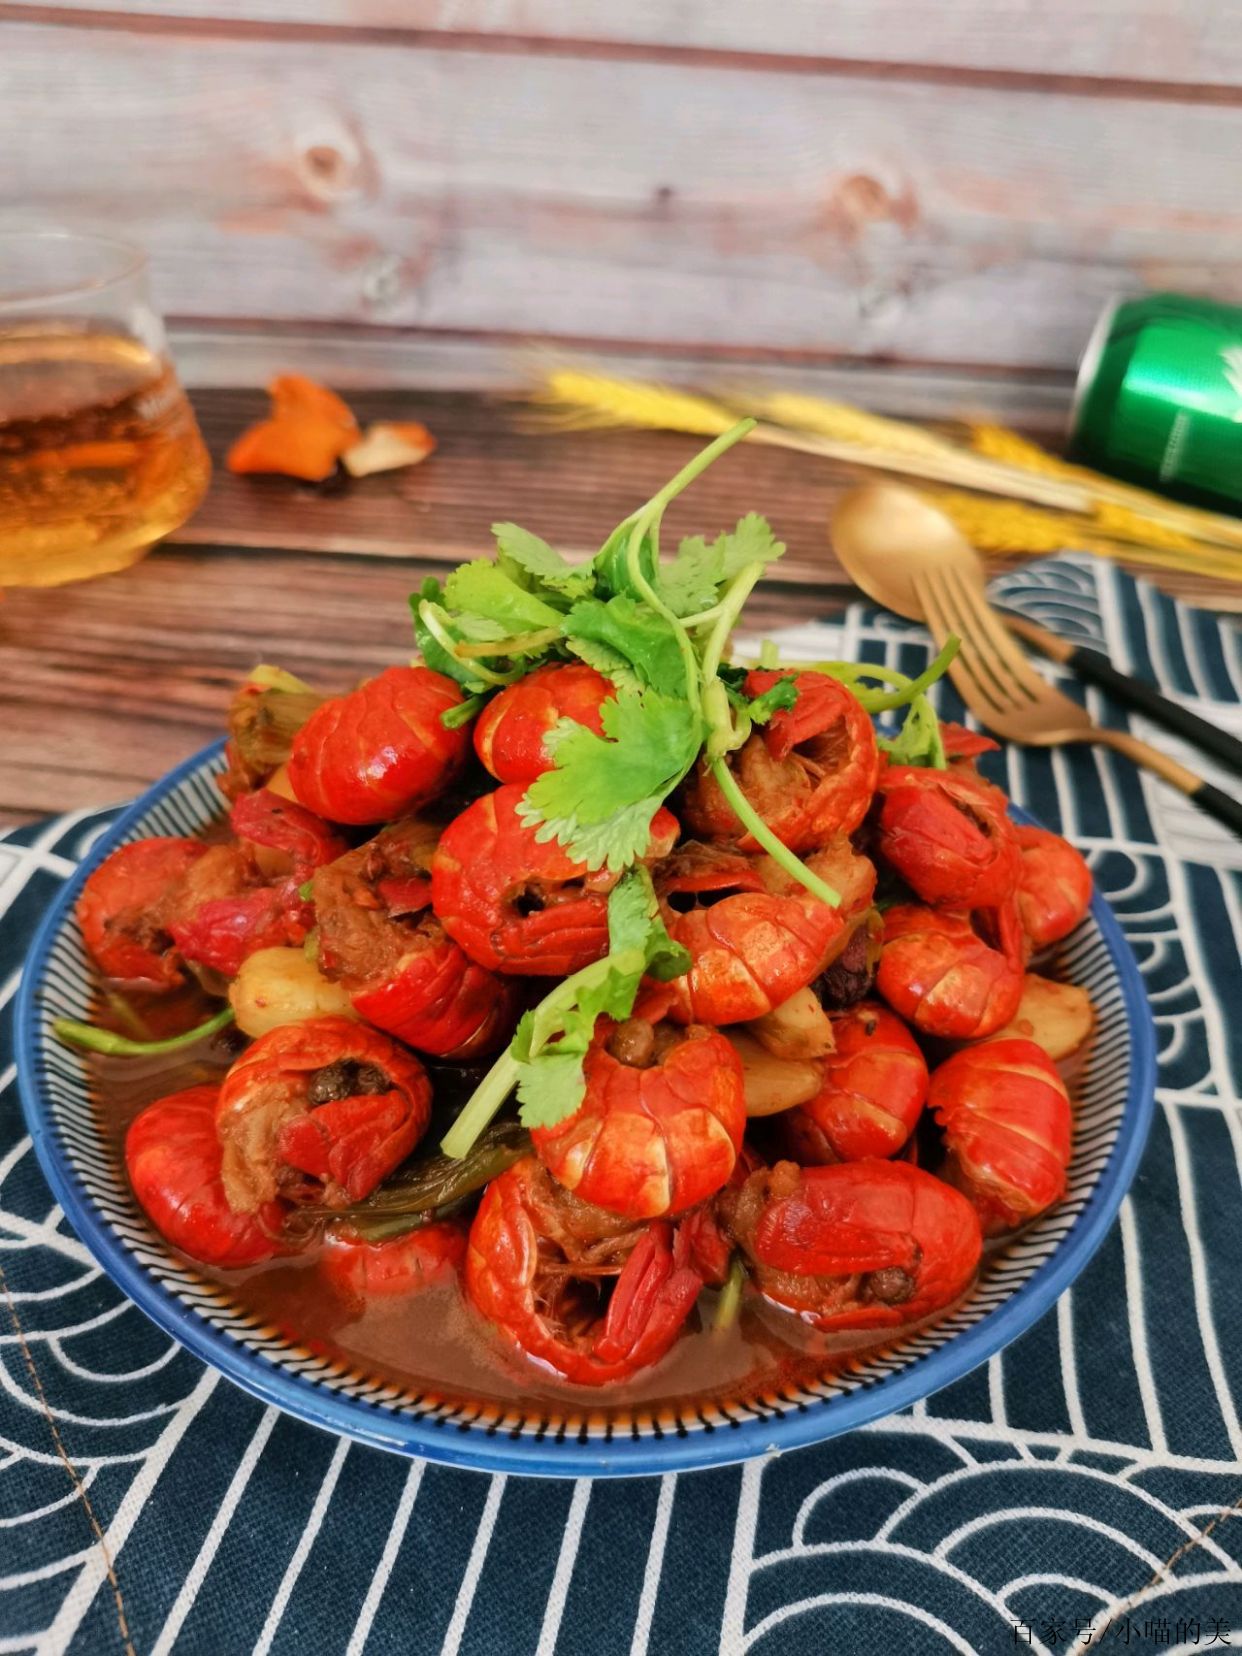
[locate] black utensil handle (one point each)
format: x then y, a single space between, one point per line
1137 693
1224 807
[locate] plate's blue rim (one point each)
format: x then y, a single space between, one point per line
469 1445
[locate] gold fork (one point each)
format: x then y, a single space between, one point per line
907 555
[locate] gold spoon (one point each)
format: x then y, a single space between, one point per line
908 556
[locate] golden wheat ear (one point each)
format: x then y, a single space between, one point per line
1119 509
798 411
576 398
1014 528
1102 515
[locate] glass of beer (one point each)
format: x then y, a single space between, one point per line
100 455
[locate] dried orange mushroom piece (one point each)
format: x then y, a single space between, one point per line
387 446
309 429
296 397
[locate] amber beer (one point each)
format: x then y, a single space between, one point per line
100 456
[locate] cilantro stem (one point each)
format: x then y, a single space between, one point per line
481 1106
730 607
924 715
906 689
697 464
87 1038
431 619
938 757
647 521
702 618
724 732
454 717
520 644
759 830
689 661
845 672
730 1301
916 687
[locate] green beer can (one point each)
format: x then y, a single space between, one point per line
1159 398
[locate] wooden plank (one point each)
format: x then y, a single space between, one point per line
224 357
572 490
1167 41
108 683
632 202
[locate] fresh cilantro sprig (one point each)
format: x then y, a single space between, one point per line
599 800
544 1061
659 631
552 1040
600 797
495 619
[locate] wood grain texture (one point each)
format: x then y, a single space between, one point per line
111 683
626 201
1169 41
224 356
108 683
571 490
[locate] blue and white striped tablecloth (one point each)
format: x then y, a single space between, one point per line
1085 1484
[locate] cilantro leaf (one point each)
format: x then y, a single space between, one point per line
614 843
552 1040
614 782
648 741
692 581
917 742
480 589
632 911
611 663
633 637
666 959
478 629
520 551
688 584
550 1089
782 695
752 541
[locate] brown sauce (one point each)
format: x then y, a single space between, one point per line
434 1342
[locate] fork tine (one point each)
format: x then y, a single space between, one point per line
972 681
991 635
974 645
976 677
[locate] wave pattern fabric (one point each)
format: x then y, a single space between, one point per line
1085 1485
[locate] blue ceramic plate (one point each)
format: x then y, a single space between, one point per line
1113 1115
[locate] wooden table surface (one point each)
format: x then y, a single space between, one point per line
108 683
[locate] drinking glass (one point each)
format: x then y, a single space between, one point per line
100 455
